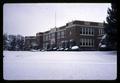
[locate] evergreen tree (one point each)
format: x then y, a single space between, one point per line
21 44
13 44
4 41
111 28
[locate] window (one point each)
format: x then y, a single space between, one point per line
58 35
87 31
53 35
92 31
90 42
46 37
86 42
80 30
49 37
83 43
70 32
80 43
43 38
101 32
62 34
83 30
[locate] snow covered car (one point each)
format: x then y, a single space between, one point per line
66 49
102 44
50 49
42 50
75 48
33 50
60 49
55 49
103 47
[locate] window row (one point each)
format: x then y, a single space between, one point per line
101 31
86 42
48 37
60 34
87 31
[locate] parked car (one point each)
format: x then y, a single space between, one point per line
54 49
60 49
50 49
42 50
75 48
103 47
66 49
33 50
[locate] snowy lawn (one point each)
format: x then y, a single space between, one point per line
60 65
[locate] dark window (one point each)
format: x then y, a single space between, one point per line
92 32
89 31
86 30
81 31
86 41
80 43
83 43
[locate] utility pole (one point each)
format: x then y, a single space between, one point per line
55 18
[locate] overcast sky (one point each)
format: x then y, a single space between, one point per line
28 19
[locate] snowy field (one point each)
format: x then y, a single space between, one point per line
84 65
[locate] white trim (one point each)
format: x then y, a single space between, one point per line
88 31
85 30
84 26
91 31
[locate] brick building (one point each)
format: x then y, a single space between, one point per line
39 40
49 39
30 42
84 34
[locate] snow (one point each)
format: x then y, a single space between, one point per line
34 50
60 65
75 47
100 44
61 48
66 48
104 36
103 46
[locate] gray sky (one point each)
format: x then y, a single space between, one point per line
28 19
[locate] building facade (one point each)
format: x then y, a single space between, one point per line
49 39
30 42
84 34
39 40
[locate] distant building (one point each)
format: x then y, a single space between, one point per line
30 42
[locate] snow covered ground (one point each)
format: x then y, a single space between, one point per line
59 65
